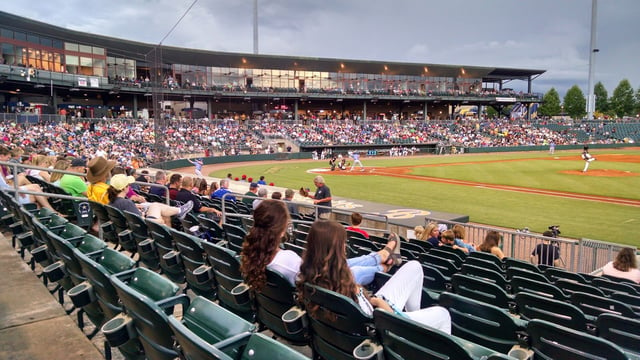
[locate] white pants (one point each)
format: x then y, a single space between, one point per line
404 291
357 162
586 164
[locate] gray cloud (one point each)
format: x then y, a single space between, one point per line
543 34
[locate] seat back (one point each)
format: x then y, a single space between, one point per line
213 227
457 251
487 257
521 264
554 274
125 239
276 298
163 244
532 306
190 346
481 323
193 256
235 235
434 280
596 305
631 300
261 347
550 341
485 264
108 231
340 325
569 287
403 338
620 330
226 271
609 286
520 284
487 274
448 254
481 290
140 290
447 267
417 246
65 248
515 271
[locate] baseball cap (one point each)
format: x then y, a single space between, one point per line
120 181
79 162
253 186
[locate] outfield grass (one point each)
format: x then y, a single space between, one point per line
577 218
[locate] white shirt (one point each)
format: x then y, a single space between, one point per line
287 263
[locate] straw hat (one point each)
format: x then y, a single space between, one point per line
98 167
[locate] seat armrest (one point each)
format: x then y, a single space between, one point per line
367 350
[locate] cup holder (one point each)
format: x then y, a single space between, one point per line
367 350
294 320
119 330
146 246
40 254
202 274
82 294
172 258
55 272
241 294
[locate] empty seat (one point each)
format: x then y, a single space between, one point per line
481 290
520 284
620 330
532 306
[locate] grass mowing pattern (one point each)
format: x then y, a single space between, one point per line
577 218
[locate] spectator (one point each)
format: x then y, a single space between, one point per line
546 253
262 194
61 164
288 198
250 195
75 185
418 231
98 172
222 191
261 250
155 211
160 179
175 181
142 177
491 244
203 188
356 220
460 234
431 234
41 201
185 195
624 266
276 195
324 264
449 239
262 181
322 198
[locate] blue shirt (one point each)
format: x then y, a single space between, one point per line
221 192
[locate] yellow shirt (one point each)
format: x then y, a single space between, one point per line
98 192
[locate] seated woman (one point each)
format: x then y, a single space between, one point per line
491 244
624 266
40 200
261 250
324 264
157 212
431 234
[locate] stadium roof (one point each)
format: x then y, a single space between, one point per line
175 55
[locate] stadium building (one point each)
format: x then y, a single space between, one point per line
49 69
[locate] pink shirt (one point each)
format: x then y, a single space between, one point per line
632 274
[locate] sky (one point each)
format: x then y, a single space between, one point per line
551 35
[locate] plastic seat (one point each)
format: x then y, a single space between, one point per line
554 274
125 237
620 330
276 298
449 254
107 230
235 236
569 287
536 276
487 257
168 256
632 300
434 280
551 341
293 247
355 234
486 274
521 264
211 226
140 233
520 284
417 246
193 257
447 267
403 338
485 264
340 327
225 268
223 332
609 287
146 296
481 290
481 323
532 306
596 305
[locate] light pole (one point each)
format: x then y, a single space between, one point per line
591 99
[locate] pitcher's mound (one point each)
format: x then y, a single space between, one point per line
599 172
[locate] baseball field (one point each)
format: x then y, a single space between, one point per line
513 190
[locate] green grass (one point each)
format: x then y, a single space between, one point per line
577 218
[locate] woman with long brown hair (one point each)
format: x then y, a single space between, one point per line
324 264
491 244
624 265
261 249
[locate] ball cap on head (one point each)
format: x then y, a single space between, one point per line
78 162
120 181
253 186
98 168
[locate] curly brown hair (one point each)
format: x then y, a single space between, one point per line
625 260
270 220
324 263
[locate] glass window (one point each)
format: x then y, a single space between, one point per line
33 39
98 51
46 42
20 36
71 46
86 61
58 44
72 60
5 33
85 49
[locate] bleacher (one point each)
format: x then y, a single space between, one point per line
153 291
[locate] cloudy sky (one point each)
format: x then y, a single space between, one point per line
552 35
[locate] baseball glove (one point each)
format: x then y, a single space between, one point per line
304 192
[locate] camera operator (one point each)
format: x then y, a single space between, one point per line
547 253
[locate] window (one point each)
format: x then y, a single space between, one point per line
86 61
6 33
72 60
71 46
33 39
98 51
20 36
46 42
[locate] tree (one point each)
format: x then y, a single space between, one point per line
638 102
622 102
575 103
550 104
602 98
